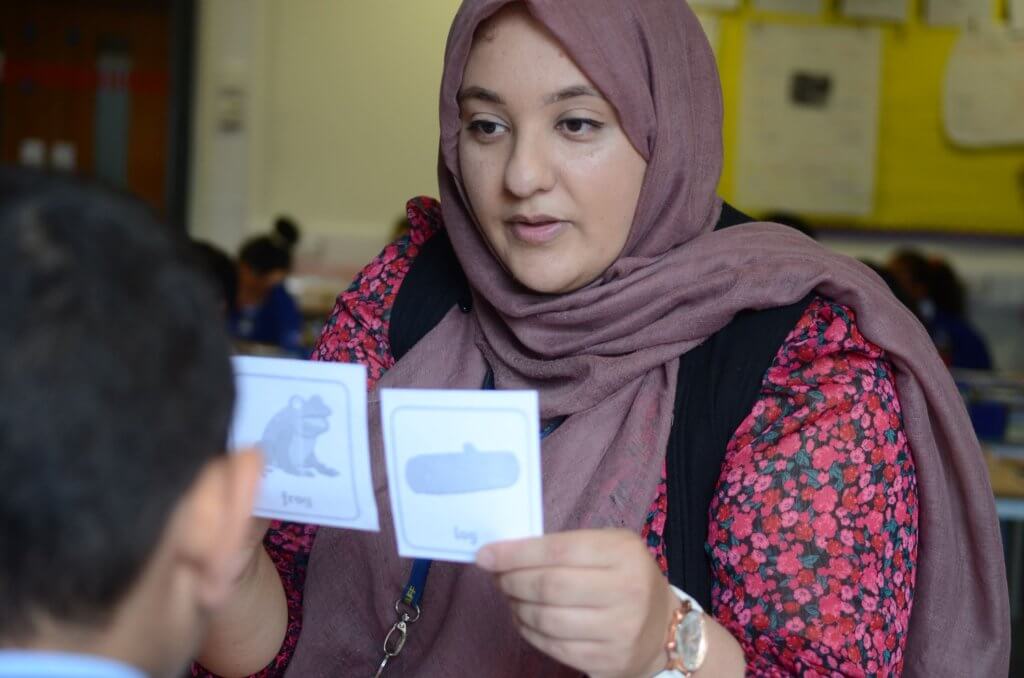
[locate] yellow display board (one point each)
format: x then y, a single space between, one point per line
923 182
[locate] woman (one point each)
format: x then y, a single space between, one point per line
265 312
580 151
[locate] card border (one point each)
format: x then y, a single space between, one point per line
351 446
395 463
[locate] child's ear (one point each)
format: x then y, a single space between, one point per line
219 544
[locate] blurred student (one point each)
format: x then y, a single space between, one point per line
959 342
265 312
893 284
938 296
221 272
121 513
910 269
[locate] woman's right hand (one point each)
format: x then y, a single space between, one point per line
596 601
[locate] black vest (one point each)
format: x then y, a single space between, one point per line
718 385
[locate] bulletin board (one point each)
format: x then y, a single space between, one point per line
923 181
808 119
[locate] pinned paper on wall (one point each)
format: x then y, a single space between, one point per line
1016 14
709 22
809 119
958 12
790 6
715 4
879 10
983 98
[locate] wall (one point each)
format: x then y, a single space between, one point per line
227 130
340 118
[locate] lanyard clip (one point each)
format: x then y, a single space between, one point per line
399 632
395 640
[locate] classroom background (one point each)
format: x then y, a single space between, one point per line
882 126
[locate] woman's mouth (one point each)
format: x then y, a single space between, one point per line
537 229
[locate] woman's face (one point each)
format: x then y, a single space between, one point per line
549 172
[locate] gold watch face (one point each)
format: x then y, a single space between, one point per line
691 641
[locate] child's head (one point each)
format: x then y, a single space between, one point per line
264 261
120 512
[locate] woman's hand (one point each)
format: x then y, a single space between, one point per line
594 600
246 560
247 629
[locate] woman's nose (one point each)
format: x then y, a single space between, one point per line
529 169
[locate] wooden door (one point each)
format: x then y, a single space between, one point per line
85 87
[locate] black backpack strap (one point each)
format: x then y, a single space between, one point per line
435 282
730 216
719 383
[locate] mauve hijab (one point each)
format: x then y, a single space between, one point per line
607 356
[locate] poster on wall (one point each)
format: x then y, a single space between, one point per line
958 12
878 10
715 4
983 97
808 120
790 6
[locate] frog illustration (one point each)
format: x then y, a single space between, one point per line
289 439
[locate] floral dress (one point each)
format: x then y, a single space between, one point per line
812 532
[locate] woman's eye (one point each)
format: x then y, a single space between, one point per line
486 128
579 126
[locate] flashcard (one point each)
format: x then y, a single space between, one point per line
463 469
309 419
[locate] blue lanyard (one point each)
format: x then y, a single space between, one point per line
407 607
413 591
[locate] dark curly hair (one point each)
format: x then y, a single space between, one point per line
115 390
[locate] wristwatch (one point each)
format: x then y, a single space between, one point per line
687 642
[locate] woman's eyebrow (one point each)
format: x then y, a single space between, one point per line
475 92
484 94
571 93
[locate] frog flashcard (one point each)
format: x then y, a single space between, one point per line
309 420
463 469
